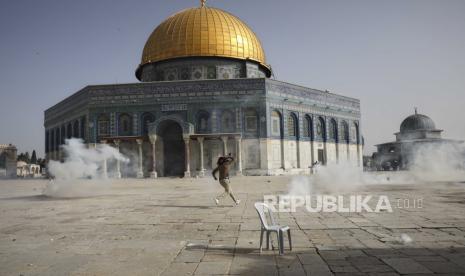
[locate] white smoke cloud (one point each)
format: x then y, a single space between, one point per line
82 172
430 163
300 185
439 162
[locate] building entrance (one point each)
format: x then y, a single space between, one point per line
173 148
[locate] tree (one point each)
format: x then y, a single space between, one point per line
20 157
27 157
34 157
24 157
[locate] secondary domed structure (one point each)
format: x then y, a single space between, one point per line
417 122
417 132
202 43
418 126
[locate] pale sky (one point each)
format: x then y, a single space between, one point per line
392 55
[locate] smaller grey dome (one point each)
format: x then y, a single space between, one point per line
417 122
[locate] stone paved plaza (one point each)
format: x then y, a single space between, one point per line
172 227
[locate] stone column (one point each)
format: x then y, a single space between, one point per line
187 173
104 163
202 169
153 140
239 155
118 162
225 145
140 172
348 151
312 147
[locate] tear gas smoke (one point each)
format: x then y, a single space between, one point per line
300 185
429 163
441 162
405 239
83 172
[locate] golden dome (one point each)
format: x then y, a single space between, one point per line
205 32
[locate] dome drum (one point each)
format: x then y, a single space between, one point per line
200 68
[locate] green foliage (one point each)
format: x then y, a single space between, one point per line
24 157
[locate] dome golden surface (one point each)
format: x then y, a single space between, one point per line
204 32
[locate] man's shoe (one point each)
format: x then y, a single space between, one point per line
217 202
238 201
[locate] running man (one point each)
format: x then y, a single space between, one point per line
223 166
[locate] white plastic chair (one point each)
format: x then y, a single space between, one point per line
263 210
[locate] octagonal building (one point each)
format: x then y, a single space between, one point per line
205 91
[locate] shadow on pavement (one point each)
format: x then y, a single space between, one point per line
403 260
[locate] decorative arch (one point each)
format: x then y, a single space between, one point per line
356 133
276 123
103 125
187 128
321 128
251 120
228 122
292 129
146 119
333 130
308 127
125 124
345 132
203 122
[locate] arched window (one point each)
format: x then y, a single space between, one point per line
125 125
321 129
308 127
345 131
76 129
147 118
251 120
69 131
333 130
356 132
276 123
203 121
103 125
292 125
227 121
